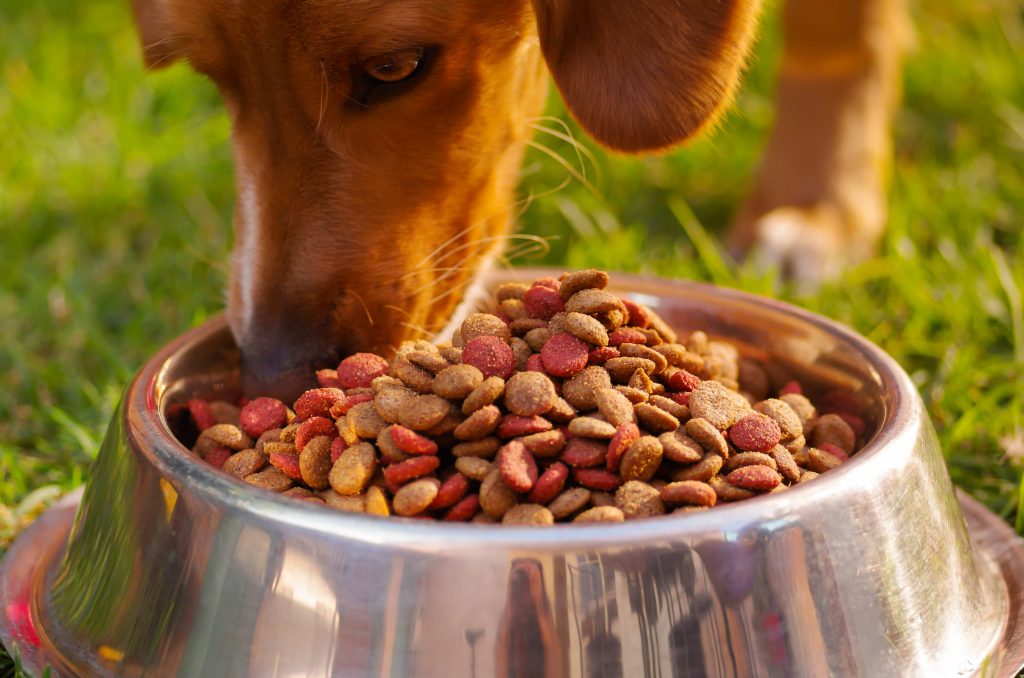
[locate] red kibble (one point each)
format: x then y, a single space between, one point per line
543 302
261 415
217 455
288 463
626 335
313 427
564 355
347 403
637 314
681 398
584 453
202 414
834 450
754 477
596 479
681 380
549 484
468 507
791 387
410 442
491 355
328 379
398 474
625 435
549 282
338 445
452 490
755 433
513 426
359 369
838 402
855 422
517 466
317 402
534 363
599 356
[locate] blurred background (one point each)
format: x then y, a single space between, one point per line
116 193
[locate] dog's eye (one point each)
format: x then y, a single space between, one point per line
395 66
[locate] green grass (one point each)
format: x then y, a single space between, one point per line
115 206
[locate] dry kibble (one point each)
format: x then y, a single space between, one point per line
528 514
566 403
529 393
601 514
638 500
581 390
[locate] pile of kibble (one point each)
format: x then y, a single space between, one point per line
568 403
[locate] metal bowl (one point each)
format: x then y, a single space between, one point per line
174 568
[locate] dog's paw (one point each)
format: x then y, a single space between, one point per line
808 245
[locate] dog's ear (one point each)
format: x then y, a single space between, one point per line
642 75
159 48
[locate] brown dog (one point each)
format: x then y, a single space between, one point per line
377 142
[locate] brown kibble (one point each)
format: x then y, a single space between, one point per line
569 502
474 468
705 469
586 328
511 290
641 351
270 436
755 477
528 514
346 503
785 463
365 421
820 461
415 497
272 478
717 404
680 412
803 408
621 369
479 424
536 338
388 449
544 444
224 435
689 493
753 379
416 378
391 402
638 500
488 391
602 499
589 427
593 301
457 381
641 460
708 436
521 353
352 472
495 497
451 354
244 463
425 412
633 395
376 502
830 429
528 394
315 462
726 491
580 390
615 406
482 325
807 475
601 514
431 361
561 412
582 280
681 448
655 419
513 308
641 382
484 448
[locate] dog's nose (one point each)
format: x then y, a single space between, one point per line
280 368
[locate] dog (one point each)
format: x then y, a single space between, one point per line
377 142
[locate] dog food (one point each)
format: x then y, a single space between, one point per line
566 404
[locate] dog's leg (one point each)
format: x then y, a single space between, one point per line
818 203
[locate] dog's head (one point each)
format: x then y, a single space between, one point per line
377 142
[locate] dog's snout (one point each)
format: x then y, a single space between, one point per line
282 363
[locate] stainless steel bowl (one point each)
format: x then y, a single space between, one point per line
173 568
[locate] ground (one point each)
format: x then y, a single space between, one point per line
115 206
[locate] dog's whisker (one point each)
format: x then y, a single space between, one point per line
479 245
366 309
568 168
324 91
581 150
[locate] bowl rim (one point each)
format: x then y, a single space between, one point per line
146 427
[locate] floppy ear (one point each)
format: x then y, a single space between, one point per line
159 48
642 75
